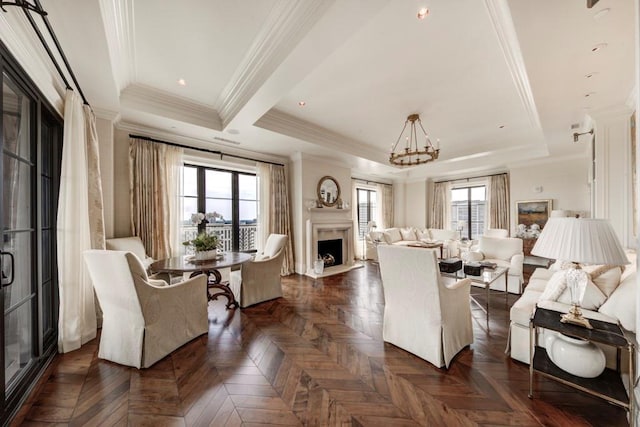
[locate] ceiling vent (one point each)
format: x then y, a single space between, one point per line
228 141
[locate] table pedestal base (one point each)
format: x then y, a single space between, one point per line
214 281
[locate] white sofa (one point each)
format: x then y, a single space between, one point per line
504 252
617 285
411 236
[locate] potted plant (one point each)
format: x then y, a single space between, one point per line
205 245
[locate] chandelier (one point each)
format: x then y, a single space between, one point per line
411 155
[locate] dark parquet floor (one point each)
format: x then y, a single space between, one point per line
314 357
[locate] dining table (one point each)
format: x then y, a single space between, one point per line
211 267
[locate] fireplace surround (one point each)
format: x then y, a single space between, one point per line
324 231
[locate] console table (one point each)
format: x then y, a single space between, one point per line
608 385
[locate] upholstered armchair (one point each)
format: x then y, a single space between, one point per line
131 244
259 280
504 252
144 319
422 314
496 232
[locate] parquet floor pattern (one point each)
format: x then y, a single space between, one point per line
315 357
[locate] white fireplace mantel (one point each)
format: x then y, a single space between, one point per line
325 230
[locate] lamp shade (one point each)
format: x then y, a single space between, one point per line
582 240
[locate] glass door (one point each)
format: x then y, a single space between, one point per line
30 146
18 233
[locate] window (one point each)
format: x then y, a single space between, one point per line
468 204
366 210
229 201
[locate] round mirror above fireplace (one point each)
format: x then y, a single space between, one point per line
328 191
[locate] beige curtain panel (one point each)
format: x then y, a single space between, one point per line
151 187
438 215
499 202
280 214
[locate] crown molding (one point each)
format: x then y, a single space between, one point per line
549 160
160 103
286 124
283 29
118 18
500 16
110 115
18 36
611 113
194 142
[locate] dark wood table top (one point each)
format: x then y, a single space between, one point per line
184 264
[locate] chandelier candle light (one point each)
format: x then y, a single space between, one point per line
579 240
412 155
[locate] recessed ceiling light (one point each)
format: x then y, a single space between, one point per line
589 75
182 82
423 13
598 47
601 13
587 95
302 103
501 126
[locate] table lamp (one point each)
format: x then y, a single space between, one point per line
460 227
580 241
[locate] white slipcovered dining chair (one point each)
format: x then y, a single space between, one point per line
259 280
144 319
132 244
422 314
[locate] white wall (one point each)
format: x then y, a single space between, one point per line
566 182
306 173
415 204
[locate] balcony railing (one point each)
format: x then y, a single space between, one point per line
224 231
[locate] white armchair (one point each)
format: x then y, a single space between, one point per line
144 319
259 280
496 232
505 252
132 244
422 315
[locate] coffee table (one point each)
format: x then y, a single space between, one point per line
487 277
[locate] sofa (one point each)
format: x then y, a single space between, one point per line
610 296
412 236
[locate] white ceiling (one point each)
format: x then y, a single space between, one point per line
361 66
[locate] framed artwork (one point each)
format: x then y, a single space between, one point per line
534 212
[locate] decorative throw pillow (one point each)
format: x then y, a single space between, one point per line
607 281
556 285
392 235
475 256
408 234
423 235
592 300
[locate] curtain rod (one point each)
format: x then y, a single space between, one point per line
370 182
206 150
471 177
38 9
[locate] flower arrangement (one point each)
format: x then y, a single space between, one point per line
209 217
204 242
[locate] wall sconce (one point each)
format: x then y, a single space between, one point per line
576 135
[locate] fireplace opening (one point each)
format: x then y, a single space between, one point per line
330 251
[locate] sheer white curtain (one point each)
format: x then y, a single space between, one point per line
358 252
80 224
